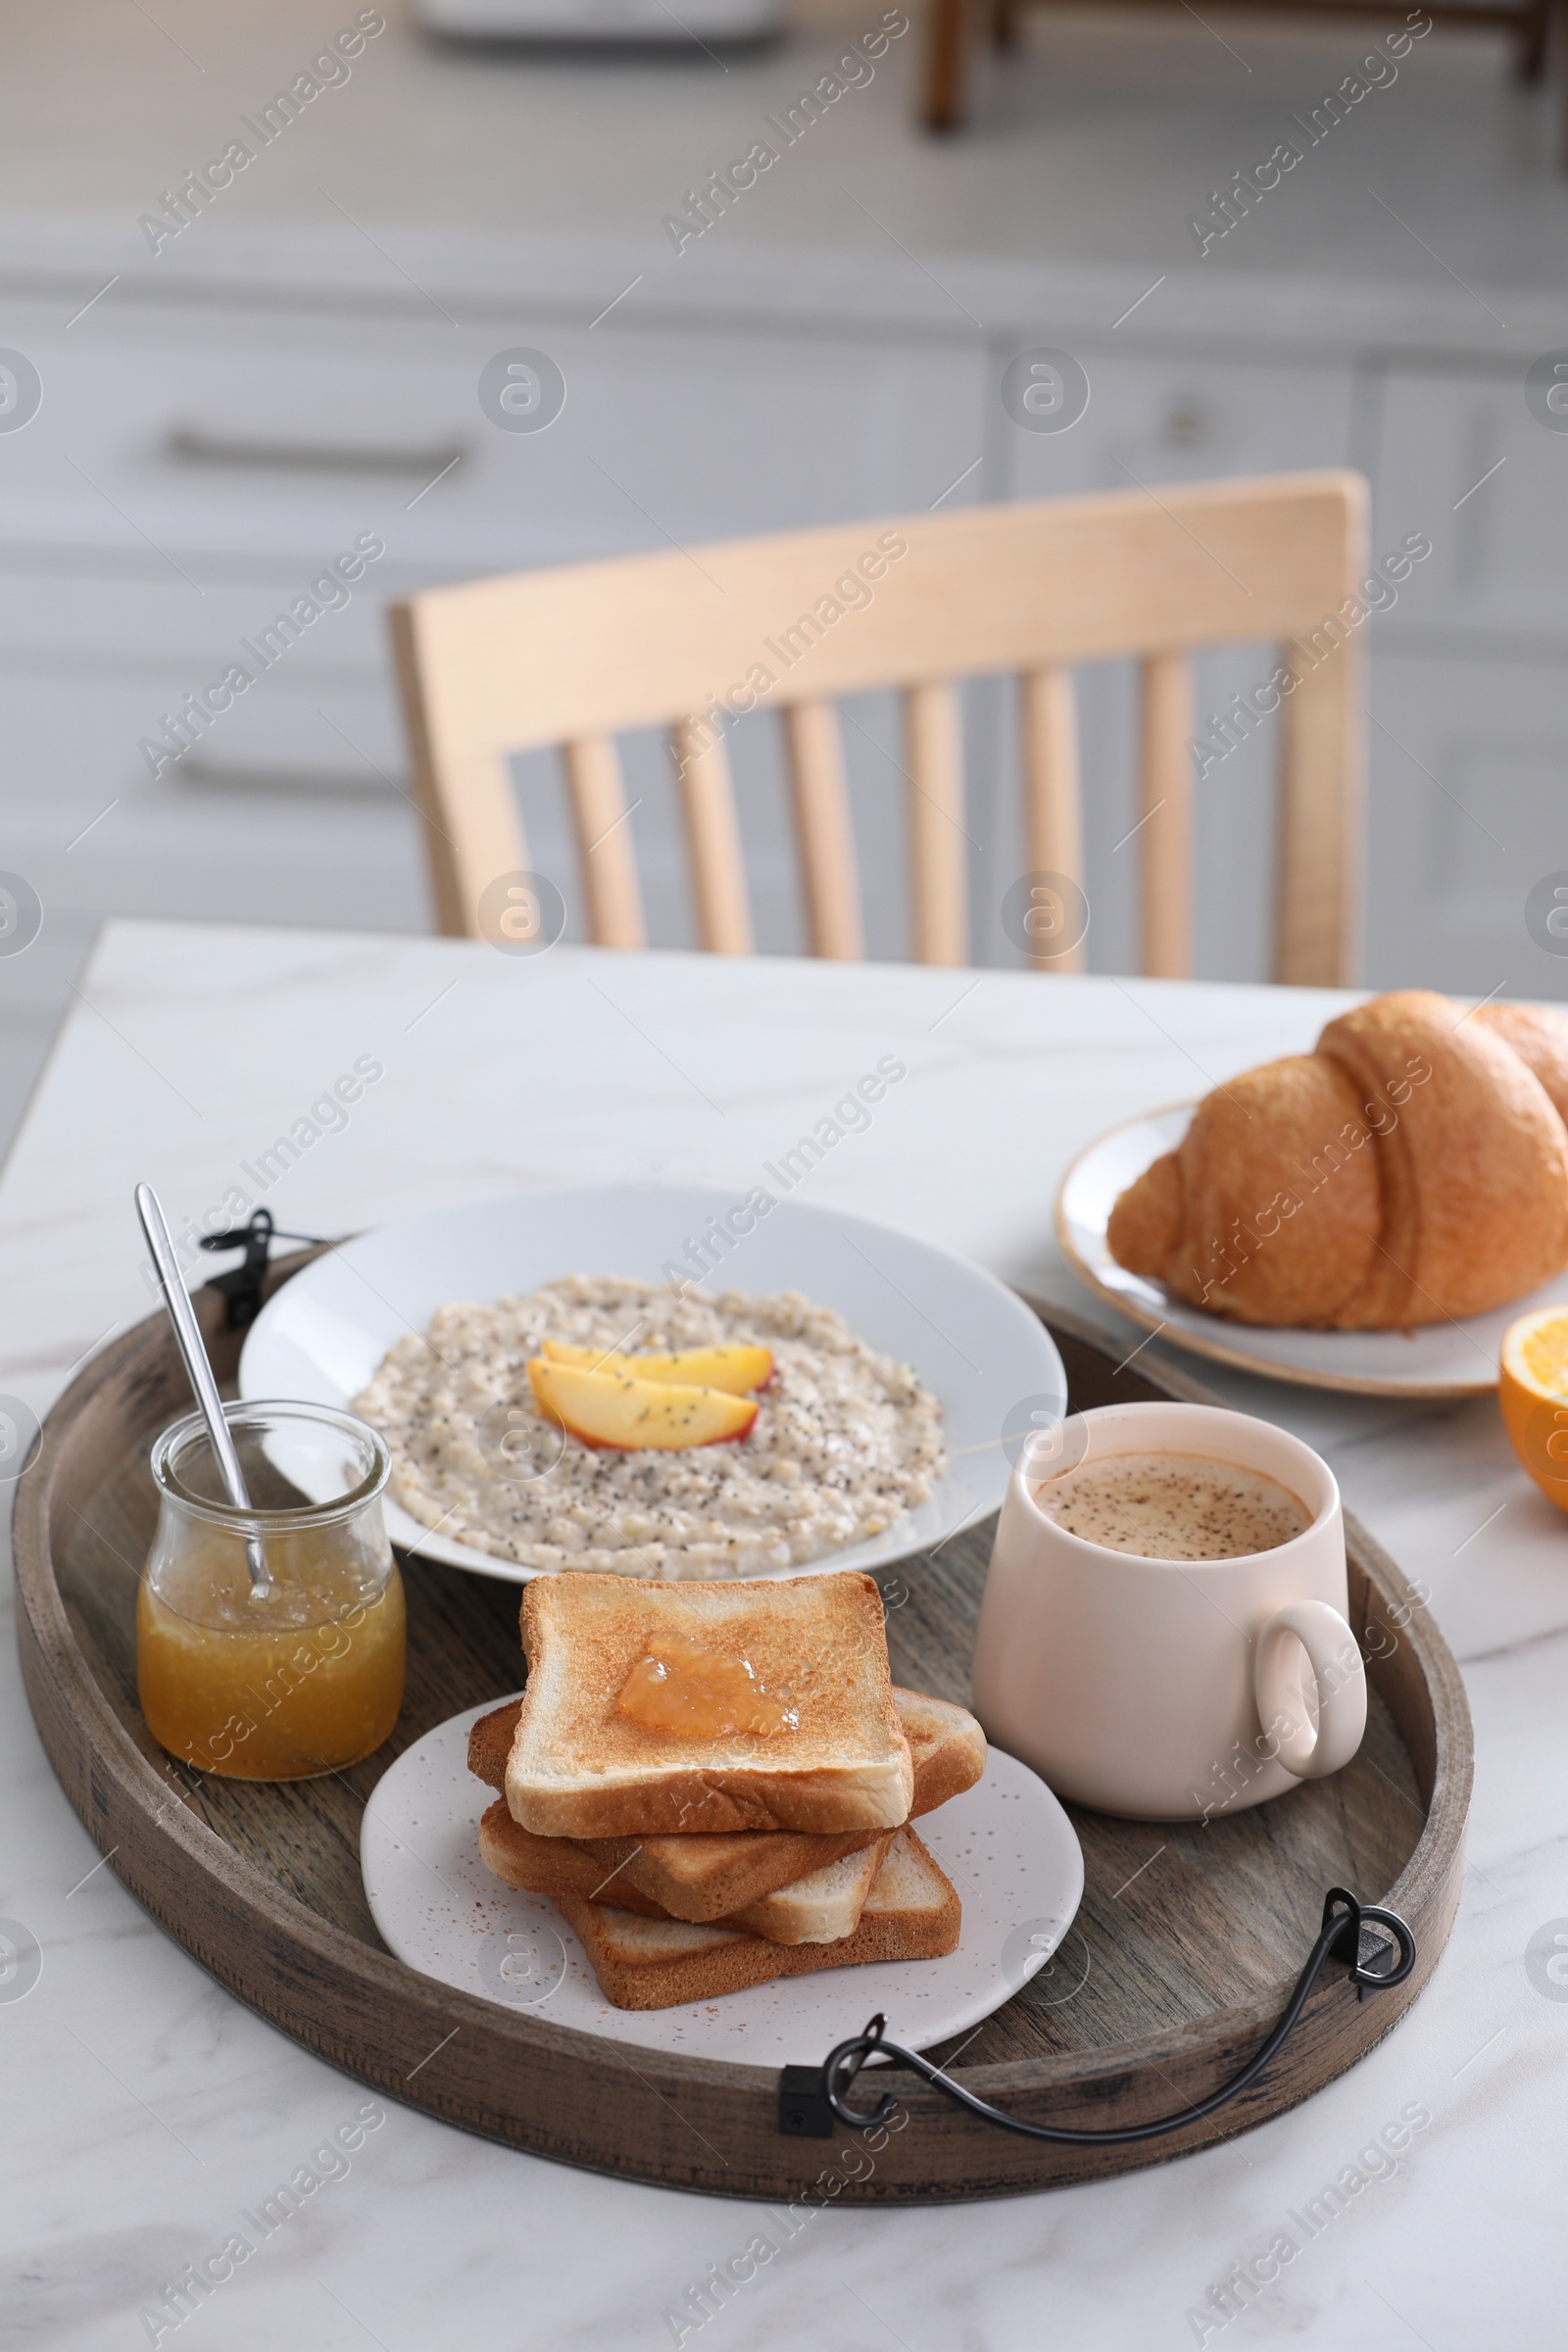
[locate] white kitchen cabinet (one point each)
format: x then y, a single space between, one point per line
1462 459
1469 746
1471 754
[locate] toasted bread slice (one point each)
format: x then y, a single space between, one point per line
713 1877
658 1875
707 1877
946 1748
582 1767
824 1906
553 1866
490 1743
912 1913
818 1908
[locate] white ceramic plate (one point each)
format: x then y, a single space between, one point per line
977 1347
1007 1845
1440 1360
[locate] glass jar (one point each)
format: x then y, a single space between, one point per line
301 1677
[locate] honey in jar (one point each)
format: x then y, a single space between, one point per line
304 1674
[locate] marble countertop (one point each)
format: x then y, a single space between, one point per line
1430 220
147 2108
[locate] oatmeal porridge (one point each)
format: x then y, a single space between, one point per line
844 1439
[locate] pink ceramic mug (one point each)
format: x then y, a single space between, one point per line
1169 1689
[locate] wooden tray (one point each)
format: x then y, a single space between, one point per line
1187 1943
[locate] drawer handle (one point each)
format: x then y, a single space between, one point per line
185 445
1187 424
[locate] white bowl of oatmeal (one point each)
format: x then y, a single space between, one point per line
898 1370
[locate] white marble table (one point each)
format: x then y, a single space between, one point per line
146 2108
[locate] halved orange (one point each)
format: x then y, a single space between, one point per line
1533 1398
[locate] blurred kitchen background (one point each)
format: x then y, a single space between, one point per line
299 365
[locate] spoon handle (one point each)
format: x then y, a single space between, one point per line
193 1354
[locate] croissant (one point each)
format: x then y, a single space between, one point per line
1412 1168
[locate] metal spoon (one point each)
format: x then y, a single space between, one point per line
187 1331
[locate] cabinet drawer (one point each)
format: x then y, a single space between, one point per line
1157 419
1463 459
1467 761
288 435
321 706
252 835
148 618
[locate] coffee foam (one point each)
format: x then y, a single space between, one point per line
1173 1506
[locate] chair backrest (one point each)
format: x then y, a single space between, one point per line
576 656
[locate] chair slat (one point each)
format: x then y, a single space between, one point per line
712 839
605 856
934 765
1166 829
1053 833
823 831
472 834
1320 822
472 831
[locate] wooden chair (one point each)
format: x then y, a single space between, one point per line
573 657
950 27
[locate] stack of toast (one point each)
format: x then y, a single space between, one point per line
716 1782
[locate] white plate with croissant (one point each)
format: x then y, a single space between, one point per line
1370 1216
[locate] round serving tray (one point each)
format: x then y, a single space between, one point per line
1187 1944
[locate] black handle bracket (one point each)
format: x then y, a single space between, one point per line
803 2112
242 1284
1374 1945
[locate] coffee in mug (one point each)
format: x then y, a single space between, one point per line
1165 1627
1173 1506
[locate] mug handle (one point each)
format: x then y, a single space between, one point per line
1334 1656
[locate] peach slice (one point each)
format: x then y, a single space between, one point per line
607 1410
735 1370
